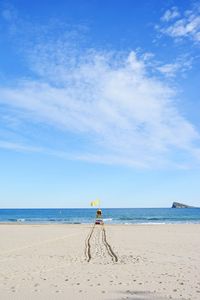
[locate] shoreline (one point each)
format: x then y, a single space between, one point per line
106 224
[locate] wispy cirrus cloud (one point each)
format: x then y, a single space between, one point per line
180 66
181 26
121 112
170 14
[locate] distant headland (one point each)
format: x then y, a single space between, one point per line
181 205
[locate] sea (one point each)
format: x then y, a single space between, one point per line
110 215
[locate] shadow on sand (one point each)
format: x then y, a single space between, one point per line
140 295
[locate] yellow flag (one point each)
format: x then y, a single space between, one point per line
95 202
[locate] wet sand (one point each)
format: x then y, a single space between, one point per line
102 262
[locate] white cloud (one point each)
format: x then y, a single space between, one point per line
170 14
169 70
128 116
185 26
181 65
18 147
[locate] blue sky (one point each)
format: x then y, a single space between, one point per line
99 99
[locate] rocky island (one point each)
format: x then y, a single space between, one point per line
180 205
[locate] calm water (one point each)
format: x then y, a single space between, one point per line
110 215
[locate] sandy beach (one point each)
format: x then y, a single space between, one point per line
110 262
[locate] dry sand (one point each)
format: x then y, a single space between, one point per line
78 262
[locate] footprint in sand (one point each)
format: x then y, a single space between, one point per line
13 289
37 284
